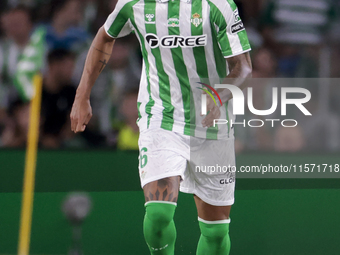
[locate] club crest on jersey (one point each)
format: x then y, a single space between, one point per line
196 19
173 22
150 19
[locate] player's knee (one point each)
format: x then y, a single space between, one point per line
215 233
161 214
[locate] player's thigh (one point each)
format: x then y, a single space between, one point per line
165 189
163 160
212 166
210 212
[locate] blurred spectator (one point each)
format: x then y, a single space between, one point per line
12 3
322 129
122 66
290 26
299 21
16 128
17 25
289 139
250 9
112 4
95 14
65 31
335 42
57 98
62 33
129 131
122 74
264 64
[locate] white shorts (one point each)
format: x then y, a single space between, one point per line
207 167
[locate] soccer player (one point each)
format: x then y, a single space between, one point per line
183 42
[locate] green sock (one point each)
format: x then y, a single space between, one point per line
214 238
159 227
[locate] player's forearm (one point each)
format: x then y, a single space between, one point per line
240 68
96 60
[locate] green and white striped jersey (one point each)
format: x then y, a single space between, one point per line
182 43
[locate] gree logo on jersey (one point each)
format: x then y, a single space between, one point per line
174 41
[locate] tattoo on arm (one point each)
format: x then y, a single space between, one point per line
108 54
104 63
162 190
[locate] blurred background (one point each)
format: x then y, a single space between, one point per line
293 39
290 39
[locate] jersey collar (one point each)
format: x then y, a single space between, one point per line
164 1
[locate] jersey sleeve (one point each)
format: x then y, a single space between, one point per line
118 23
231 34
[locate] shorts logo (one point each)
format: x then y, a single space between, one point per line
173 22
237 27
142 175
196 19
174 41
150 19
227 180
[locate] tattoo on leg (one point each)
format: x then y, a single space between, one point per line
162 190
170 197
157 194
165 193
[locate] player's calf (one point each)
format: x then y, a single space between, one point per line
214 238
159 227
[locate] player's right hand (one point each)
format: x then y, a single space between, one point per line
213 113
81 114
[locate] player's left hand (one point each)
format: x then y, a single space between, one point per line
213 113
